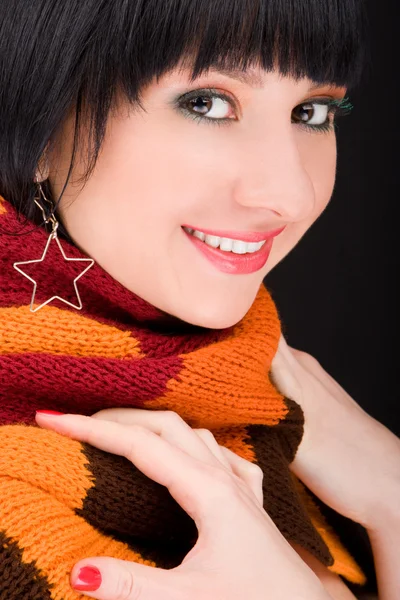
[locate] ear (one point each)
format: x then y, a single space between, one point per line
43 168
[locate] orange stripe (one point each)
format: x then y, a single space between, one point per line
56 331
3 209
227 383
27 454
236 440
202 402
38 500
53 536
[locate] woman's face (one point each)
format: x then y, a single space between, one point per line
242 164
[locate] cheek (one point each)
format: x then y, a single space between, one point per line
135 189
148 178
154 165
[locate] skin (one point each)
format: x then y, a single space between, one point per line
339 469
258 173
214 486
159 170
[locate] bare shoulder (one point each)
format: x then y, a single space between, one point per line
332 582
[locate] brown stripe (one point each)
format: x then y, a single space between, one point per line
289 433
19 580
132 508
281 500
167 554
344 564
290 430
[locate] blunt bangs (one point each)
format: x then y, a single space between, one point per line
59 56
323 40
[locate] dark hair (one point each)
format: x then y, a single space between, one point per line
63 55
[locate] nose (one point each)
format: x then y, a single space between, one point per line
272 177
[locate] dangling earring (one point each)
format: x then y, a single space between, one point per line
53 236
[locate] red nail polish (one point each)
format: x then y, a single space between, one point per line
54 413
88 580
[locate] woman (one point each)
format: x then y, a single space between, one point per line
105 108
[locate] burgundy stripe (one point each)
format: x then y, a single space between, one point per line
84 385
103 298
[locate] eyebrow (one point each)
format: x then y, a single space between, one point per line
255 80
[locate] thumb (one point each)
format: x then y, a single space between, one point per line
111 579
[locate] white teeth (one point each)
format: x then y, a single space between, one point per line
226 244
239 247
212 240
254 246
199 235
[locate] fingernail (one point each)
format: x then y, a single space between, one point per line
88 579
52 413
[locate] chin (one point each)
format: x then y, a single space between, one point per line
215 315
217 322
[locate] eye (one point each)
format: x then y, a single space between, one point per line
207 105
313 113
212 107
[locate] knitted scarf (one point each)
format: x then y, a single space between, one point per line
62 500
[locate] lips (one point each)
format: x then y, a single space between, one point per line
229 262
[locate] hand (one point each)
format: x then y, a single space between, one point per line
239 552
347 458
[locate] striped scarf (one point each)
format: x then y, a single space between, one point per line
62 500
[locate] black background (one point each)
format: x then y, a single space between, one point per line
337 291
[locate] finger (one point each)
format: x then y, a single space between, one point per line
194 484
167 424
248 472
111 579
208 439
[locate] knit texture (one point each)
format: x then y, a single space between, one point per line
62 500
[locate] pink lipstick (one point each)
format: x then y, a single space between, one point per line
229 262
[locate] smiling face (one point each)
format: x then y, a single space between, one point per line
216 154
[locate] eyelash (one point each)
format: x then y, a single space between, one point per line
337 107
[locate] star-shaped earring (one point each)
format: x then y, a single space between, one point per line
89 262
53 236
